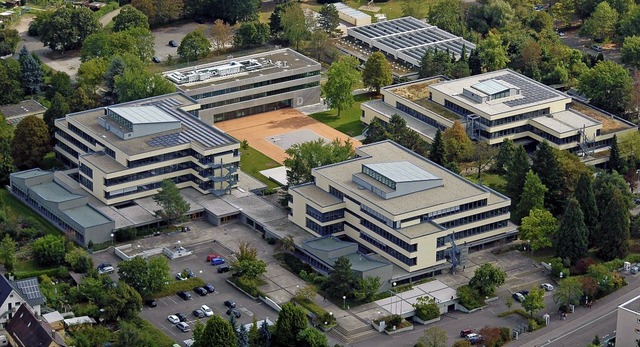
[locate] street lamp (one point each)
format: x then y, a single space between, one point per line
394 300
344 302
112 238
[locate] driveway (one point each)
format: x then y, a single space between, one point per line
176 33
610 51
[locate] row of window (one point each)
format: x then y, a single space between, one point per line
203 159
251 110
392 252
203 172
387 235
255 85
82 134
340 195
67 149
325 230
85 137
85 182
84 148
448 211
377 216
120 120
86 170
378 177
420 116
440 241
524 128
259 95
515 118
476 217
148 186
324 217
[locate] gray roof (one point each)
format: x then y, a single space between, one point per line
143 114
53 192
413 123
362 263
23 108
490 87
351 12
30 173
29 290
568 121
327 243
86 216
401 171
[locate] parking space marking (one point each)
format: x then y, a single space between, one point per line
249 313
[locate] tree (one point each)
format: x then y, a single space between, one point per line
568 292
30 143
67 28
539 227
602 23
630 22
48 250
78 260
6 160
482 155
486 278
264 334
124 303
58 109
320 46
572 237
631 50
563 11
615 220
302 158
130 17
243 335
294 25
217 332
134 85
367 288
107 45
32 75
291 321
173 204
247 263
342 76
517 170
434 62
492 52
166 11
426 308
532 197
505 156
457 143
311 337
608 86
285 244
145 276
194 46
546 166
616 163
10 75
9 39
251 33
60 83
144 43
8 253
198 330
534 302
447 15
604 187
275 19
437 151
221 34
91 73
377 72
586 198
414 8
328 19
434 337
341 279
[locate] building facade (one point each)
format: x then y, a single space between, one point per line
125 151
242 86
400 205
628 323
495 106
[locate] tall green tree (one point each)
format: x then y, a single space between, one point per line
243 335
59 82
532 197
172 203
434 337
604 186
534 302
614 243
437 151
6 160
448 15
247 263
294 25
32 75
329 18
217 332
568 292
572 237
377 72
311 337
608 85
504 156
10 82
67 28
194 46
48 250
631 50
58 109
486 278
414 8
291 321
615 160
517 170
602 23
8 253
458 145
302 158
251 33
130 17
275 19
124 303
30 143
367 288
342 76
145 276
492 52
546 166
539 228
434 62
585 196
341 279
134 85
482 155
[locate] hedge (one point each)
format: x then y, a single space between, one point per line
250 286
177 286
58 272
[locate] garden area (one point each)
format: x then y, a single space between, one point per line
349 120
252 162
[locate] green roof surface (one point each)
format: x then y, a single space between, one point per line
53 192
328 243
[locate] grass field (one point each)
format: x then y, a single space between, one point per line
252 162
349 121
392 9
493 181
20 209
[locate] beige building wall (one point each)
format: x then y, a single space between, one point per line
628 324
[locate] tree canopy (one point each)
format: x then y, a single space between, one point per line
486 278
539 227
194 46
130 17
571 240
30 143
613 241
341 279
145 276
532 197
49 250
217 332
67 28
377 72
342 76
301 158
608 86
172 203
291 322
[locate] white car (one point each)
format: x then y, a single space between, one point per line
548 287
184 327
207 310
173 319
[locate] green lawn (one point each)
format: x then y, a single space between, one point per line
252 162
28 265
493 181
22 210
349 121
392 9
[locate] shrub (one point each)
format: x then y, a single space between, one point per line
58 272
505 334
125 234
294 264
319 280
426 308
469 298
533 325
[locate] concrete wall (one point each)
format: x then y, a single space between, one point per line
627 327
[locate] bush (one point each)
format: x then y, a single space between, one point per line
311 306
533 325
126 234
106 9
58 272
177 286
319 281
469 298
426 309
294 264
249 285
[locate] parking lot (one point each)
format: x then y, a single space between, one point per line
176 33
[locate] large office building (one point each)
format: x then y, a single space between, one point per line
628 323
401 206
495 106
252 84
125 151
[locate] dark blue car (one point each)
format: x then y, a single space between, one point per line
217 261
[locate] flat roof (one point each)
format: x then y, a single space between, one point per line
293 59
413 123
362 263
454 187
319 196
23 108
86 216
566 121
351 12
632 305
532 92
143 114
192 129
51 191
328 243
490 87
401 171
30 173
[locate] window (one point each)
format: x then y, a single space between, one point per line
325 230
86 170
324 217
392 252
266 82
387 235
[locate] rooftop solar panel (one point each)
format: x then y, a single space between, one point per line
29 288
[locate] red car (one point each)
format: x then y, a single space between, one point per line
465 332
212 256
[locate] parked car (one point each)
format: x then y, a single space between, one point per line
223 268
173 43
151 303
180 277
465 332
173 319
200 291
210 288
156 60
217 261
198 313
548 287
184 327
105 268
210 257
181 316
518 297
184 295
597 48
524 292
230 304
234 311
207 310
474 338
